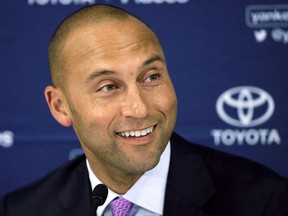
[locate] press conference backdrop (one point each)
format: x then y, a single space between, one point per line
228 61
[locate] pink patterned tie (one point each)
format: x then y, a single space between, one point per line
121 207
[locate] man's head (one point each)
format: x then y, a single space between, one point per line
116 91
90 15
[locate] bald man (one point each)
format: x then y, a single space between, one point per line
111 84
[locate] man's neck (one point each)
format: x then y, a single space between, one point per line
118 181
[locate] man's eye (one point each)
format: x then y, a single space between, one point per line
152 78
109 87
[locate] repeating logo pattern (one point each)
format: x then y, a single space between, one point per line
262 18
252 106
245 107
84 2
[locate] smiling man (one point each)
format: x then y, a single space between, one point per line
110 83
117 95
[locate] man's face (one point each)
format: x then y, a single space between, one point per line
121 100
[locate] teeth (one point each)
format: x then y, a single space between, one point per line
136 133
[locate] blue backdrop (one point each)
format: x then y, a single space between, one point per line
228 61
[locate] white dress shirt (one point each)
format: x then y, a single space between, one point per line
147 193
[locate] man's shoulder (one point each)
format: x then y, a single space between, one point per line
220 163
210 178
56 177
48 187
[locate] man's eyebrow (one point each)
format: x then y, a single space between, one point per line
153 59
99 73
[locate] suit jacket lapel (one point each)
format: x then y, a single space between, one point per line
74 195
189 186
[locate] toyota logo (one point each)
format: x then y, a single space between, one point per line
245 106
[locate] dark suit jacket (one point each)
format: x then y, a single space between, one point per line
201 182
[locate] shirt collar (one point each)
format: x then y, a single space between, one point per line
151 182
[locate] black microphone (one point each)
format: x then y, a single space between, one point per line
99 196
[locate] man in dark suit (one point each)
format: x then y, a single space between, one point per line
110 82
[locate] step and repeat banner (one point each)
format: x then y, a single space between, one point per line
228 61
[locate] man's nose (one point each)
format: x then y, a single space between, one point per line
135 103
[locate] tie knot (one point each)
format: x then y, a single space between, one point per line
121 207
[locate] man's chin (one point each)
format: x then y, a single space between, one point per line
144 166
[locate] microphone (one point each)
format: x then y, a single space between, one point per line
99 196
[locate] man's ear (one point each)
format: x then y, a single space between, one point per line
56 102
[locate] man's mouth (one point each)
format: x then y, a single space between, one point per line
136 133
